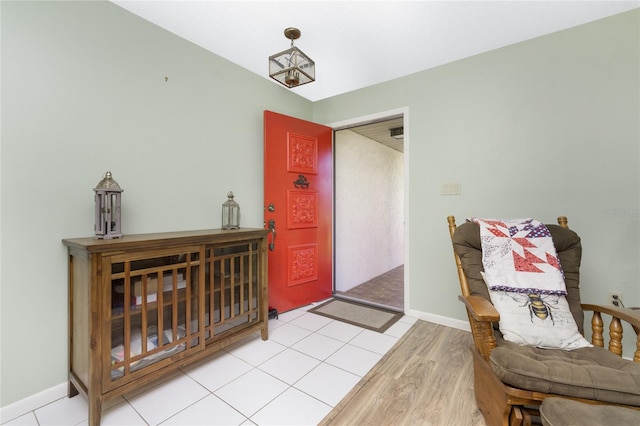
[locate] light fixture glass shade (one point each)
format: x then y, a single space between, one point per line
292 68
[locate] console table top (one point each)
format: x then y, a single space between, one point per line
96 245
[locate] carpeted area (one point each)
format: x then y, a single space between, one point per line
369 317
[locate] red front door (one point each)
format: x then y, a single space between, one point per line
298 197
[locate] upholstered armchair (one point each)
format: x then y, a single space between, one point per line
511 380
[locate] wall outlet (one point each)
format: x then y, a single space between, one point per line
615 298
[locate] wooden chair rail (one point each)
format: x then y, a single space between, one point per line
480 308
482 315
464 285
630 316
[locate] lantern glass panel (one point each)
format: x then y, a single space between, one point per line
292 67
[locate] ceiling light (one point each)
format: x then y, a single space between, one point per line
397 133
292 67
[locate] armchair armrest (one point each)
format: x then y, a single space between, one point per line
481 315
480 308
630 316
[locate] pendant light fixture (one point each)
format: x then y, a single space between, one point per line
292 67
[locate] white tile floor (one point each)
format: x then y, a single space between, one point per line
296 377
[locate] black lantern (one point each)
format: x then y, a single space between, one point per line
107 200
230 213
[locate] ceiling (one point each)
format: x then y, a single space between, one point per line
360 43
380 132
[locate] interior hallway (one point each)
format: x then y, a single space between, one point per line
385 290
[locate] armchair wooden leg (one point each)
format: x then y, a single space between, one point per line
517 417
490 397
494 400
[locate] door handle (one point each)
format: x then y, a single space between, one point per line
272 229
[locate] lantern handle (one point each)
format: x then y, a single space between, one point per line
272 228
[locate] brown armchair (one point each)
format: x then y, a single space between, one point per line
511 380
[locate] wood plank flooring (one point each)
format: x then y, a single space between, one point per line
425 379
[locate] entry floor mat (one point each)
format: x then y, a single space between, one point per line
369 317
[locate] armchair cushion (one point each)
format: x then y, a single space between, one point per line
566 412
590 373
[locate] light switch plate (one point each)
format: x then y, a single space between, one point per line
451 188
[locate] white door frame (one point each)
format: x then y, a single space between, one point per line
381 116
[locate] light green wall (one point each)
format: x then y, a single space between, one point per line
543 128
83 92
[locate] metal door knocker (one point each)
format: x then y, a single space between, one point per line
301 182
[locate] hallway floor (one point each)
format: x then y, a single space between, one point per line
385 290
307 366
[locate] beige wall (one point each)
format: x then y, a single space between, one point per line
369 205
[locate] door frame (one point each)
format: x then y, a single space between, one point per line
381 116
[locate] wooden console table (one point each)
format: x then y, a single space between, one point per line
142 306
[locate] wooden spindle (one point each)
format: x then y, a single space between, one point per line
615 332
597 327
489 338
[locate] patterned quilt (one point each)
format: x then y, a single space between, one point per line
518 255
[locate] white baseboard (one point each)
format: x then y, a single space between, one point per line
33 402
439 319
54 393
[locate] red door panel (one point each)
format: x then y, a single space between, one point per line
298 196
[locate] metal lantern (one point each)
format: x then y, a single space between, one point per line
108 204
292 67
230 213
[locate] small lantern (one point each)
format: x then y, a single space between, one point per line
230 213
107 200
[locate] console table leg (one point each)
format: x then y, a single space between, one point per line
71 390
95 410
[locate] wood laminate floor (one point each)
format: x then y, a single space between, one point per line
425 379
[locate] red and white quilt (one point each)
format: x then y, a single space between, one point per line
518 255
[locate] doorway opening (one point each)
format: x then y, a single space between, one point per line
369 216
